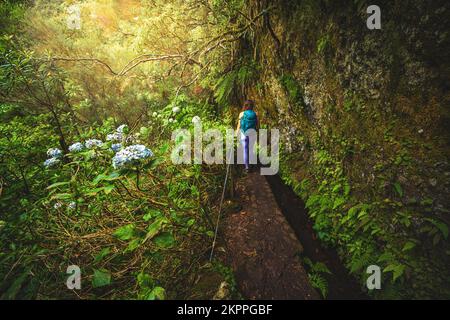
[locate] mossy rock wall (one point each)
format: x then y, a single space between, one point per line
364 120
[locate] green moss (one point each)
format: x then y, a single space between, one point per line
293 90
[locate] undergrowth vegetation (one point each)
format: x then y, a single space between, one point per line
86 116
86 176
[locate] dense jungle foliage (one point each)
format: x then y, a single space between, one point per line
88 104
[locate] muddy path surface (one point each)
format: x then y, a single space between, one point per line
262 248
266 238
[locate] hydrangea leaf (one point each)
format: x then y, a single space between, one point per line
101 278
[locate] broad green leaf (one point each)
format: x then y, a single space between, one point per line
408 246
103 177
125 233
101 278
144 280
346 189
164 240
398 188
107 189
133 245
57 184
336 188
190 222
103 253
352 211
338 202
441 226
151 214
158 293
155 227
93 192
397 270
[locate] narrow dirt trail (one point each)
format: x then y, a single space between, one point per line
262 248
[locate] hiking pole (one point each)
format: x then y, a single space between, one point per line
220 205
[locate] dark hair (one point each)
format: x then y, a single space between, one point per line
248 105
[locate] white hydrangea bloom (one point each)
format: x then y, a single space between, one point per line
92 143
76 147
116 136
54 152
51 162
131 155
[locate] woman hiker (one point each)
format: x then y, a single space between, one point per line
248 119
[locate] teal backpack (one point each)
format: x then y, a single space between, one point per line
248 120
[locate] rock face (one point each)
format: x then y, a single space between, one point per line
364 117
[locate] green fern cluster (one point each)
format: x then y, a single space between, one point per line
316 271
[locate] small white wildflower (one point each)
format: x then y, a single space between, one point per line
176 109
170 120
155 114
57 205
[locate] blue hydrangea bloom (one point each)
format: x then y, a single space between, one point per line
54 153
116 147
51 162
76 147
116 136
131 155
92 143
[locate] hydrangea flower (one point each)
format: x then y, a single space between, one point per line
76 147
131 155
116 147
196 119
116 136
51 162
54 152
176 109
122 128
92 143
